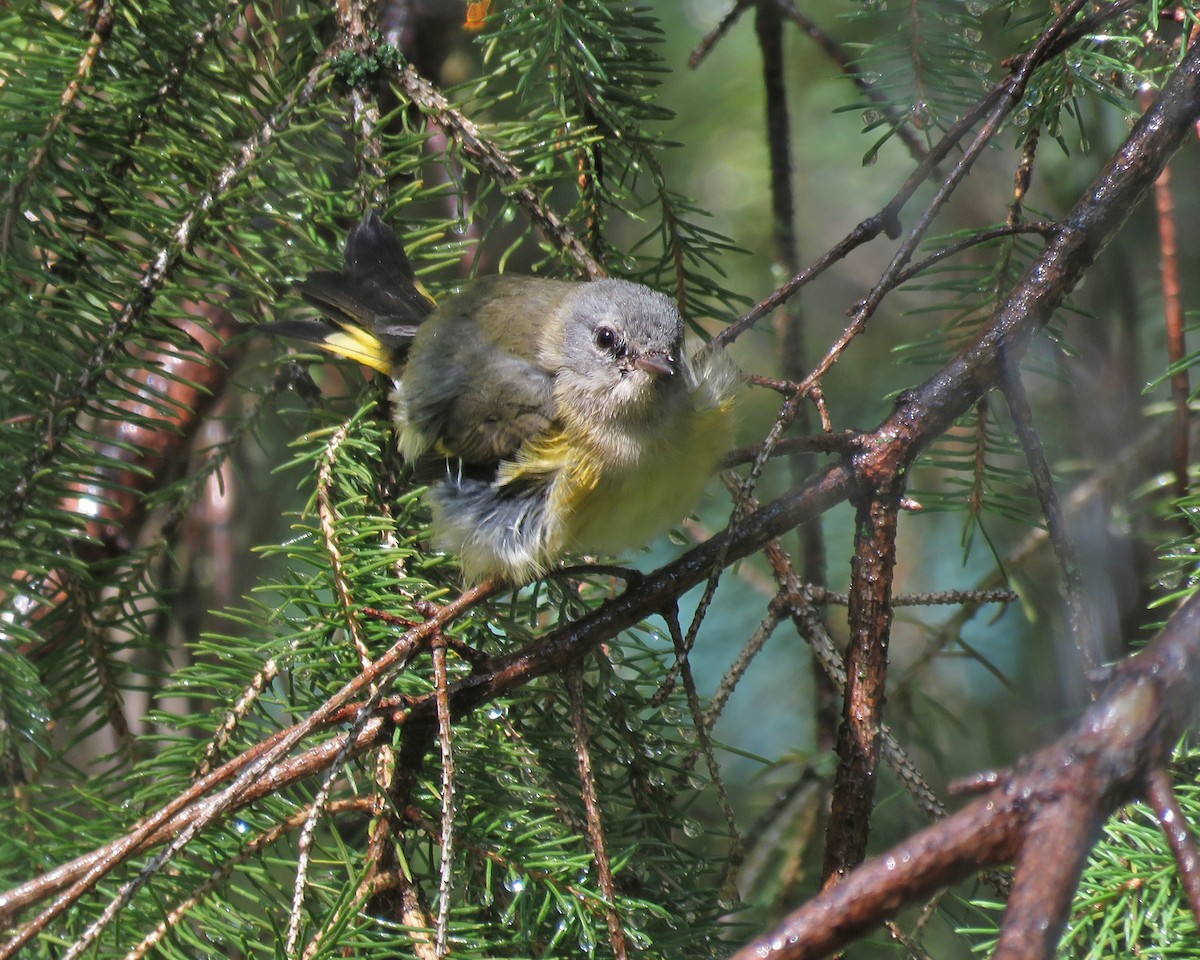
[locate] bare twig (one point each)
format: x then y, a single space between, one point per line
1079 616
710 40
445 729
750 649
1168 251
1041 227
934 599
581 738
1160 794
871 570
736 852
1044 815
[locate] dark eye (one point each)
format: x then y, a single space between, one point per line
605 337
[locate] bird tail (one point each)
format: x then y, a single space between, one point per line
373 305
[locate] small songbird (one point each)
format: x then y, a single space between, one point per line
565 418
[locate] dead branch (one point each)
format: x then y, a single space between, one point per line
1044 815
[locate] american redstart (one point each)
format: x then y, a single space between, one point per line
566 417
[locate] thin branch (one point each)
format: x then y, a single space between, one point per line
977 597
1160 794
445 730
1006 102
1042 227
328 517
790 325
872 568
362 718
1168 250
1044 814
1079 618
581 737
236 714
736 851
790 446
750 649
710 40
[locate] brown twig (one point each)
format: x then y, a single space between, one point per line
1044 815
1160 794
1041 227
871 570
795 599
1168 251
581 738
713 37
977 597
790 326
736 851
445 735
776 611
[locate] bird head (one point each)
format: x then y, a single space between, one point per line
621 352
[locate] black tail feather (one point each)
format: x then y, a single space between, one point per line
375 290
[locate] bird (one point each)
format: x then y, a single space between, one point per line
555 418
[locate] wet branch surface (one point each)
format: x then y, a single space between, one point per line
1043 815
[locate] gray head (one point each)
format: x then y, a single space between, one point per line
622 350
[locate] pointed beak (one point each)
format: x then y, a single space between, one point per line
655 363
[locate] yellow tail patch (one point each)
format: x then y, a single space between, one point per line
358 344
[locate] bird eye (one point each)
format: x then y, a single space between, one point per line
605 337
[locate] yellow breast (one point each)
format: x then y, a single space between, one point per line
614 509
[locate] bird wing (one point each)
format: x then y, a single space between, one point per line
477 386
491 417
373 305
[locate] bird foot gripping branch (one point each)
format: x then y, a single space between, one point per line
553 417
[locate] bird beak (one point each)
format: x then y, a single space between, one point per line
656 364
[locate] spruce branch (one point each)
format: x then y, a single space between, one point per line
64 411
101 28
463 131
